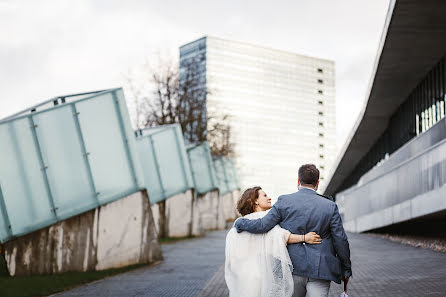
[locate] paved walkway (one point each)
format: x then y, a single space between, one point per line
194 268
380 268
186 268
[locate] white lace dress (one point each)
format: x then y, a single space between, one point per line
258 265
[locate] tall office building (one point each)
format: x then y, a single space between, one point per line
281 107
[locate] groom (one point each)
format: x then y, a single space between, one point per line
315 266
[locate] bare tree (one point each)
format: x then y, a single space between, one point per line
219 135
178 95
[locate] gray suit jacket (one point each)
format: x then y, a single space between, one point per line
302 212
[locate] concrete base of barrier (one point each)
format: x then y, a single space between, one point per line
179 214
235 197
221 217
197 220
157 219
421 205
208 207
176 221
229 207
126 233
116 234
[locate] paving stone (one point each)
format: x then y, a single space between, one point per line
195 268
186 268
380 268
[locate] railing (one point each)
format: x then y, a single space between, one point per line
65 160
420 174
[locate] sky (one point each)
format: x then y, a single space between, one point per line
51 48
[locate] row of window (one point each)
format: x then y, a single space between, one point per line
420 111
321 124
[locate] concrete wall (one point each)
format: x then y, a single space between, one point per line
197 219
208 207
117 234
178 219
126 233
156 217
235 198
422 205
229 206
409 190
179 214
221 217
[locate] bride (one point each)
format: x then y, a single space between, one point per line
258 265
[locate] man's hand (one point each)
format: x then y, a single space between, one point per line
345 280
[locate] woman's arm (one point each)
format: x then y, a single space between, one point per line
310 237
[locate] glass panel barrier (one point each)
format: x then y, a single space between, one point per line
23 185
5 231
221 176
104 142
62 153
200 166
171 165
230 174
183 156
149 166
129 133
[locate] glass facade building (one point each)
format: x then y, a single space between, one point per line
281 107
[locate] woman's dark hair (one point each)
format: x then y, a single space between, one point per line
247 202
309 174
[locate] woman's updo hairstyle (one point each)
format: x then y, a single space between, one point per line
246 204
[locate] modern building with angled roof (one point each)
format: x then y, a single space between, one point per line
392 169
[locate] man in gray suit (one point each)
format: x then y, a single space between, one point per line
315 266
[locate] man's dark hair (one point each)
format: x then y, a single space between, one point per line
308 175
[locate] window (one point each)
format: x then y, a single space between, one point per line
321 145
322 167
321 156
322 178
320 70
321 113
321 124
320 81
321 134
320 92
320 102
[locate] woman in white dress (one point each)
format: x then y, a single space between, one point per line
258 265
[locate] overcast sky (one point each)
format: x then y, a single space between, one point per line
50 48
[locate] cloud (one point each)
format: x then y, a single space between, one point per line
48 48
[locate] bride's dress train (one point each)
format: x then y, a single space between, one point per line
258 265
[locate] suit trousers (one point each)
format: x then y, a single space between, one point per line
310 287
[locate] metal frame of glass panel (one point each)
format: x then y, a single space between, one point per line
6 223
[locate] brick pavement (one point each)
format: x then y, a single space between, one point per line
380 268
194 268
186 268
